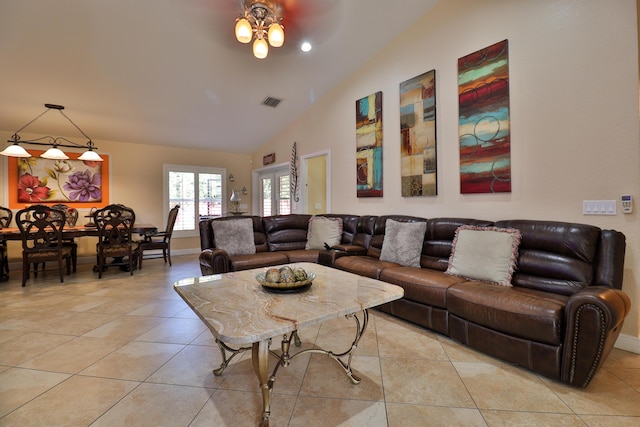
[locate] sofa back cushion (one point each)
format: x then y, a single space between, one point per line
557 257
364 231
286 232
439 240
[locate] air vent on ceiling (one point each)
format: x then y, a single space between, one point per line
271 102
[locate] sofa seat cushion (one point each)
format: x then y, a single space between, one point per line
303 255
521 312
363 265
422 285
257 260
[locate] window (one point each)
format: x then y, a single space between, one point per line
198 191
275 192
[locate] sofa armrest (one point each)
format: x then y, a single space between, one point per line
350 249
593 319
214 261
329 257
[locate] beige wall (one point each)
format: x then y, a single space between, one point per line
316 185
137 181
574 115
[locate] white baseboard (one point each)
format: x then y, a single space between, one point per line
628 343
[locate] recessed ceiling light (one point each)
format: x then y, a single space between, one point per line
305 47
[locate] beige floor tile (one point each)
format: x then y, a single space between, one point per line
193 366
75 323
403 415
508 387
315 411
288 380
325 378
80 303
177 331
119 306
56 408
125 327
622 359
19 349
156 405
338 335
243 408
398 340
73 356
134 361
160 308
459 353
512 418
205 338
7 334
19 386
423 382
629 376
610 421
605 395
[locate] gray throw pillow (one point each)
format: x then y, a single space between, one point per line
402 242
235 236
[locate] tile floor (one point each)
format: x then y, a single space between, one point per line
126 351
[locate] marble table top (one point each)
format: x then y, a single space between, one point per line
239 311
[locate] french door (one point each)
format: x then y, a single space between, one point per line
275 192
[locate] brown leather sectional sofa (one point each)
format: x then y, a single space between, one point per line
561 318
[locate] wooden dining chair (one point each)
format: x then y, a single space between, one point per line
6 215
114 224
160 239
71 218
41 234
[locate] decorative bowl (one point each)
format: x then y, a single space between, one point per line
285 286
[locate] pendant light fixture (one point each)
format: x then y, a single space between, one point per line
53 152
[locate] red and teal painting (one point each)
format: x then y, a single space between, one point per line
369 146
483 124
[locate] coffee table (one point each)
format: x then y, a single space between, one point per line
242 315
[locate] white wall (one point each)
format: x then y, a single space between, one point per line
574 115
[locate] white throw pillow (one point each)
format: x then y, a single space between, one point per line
323 230
402 242
235 236
485 253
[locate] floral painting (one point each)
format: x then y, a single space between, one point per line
72 182
369 146
484 129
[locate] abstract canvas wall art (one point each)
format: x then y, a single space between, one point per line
369 146
418 167
483 124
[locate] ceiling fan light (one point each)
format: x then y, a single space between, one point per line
15 150
90 156
244 32
260 48
54 153
276 35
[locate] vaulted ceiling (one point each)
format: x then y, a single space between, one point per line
170 72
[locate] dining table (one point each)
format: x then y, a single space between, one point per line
72 232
